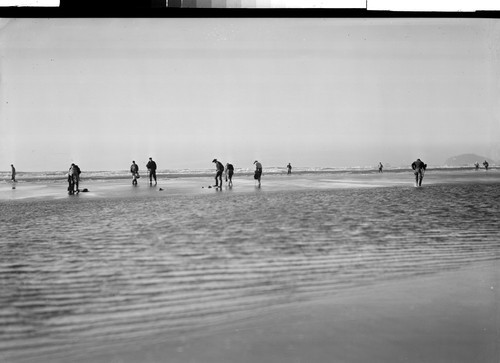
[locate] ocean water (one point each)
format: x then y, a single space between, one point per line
82 275
93 175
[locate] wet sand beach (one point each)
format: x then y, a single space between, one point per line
113 188
307 268
447 317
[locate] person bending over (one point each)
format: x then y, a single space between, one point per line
258 171
229 173
418 167
219 168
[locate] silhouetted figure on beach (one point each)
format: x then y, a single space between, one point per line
229 174
476 165
71 186
74 179
219 168
13 173
151 165
134 169
486 164
258 171
380 167
419 168
289 167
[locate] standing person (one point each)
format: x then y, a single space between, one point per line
476 165
134 169
13 173
73 179
71 185
151 165
485 163
418 167
380 167
229 173
75 172
76 177
258 171
289 167
218 175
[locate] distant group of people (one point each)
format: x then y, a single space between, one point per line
150 166
219 169
485 164
418 166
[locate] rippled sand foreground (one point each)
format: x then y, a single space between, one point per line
448 317
308 268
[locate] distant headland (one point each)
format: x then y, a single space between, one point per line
467 159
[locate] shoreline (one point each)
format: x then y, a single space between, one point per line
60 176
448 316
194 185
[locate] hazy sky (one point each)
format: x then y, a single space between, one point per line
313 92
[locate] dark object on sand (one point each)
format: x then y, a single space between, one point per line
84 190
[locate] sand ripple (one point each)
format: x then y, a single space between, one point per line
81 274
